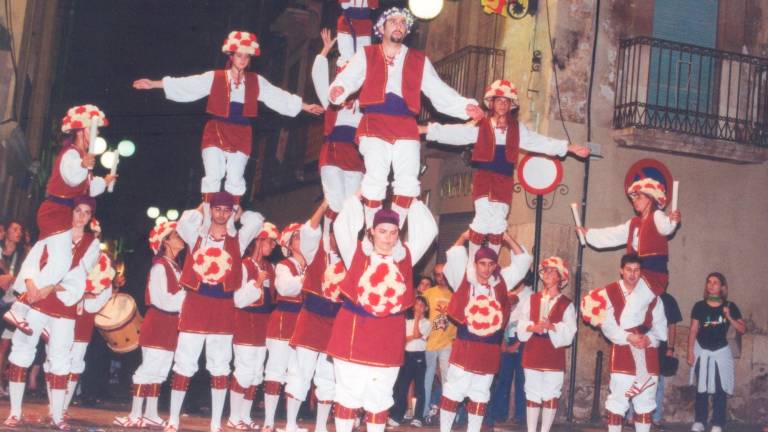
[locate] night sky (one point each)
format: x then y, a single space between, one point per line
104 47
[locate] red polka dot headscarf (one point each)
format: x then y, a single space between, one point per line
501 88
80 117
651 187
241 41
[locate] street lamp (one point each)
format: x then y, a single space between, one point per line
153 212
126 148
172 214
425 9
161 219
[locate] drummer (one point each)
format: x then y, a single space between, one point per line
159 331
53 308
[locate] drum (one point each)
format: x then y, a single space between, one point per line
119 323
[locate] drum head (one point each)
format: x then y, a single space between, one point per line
116 312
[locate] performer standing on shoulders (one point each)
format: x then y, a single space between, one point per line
644 337
367 340
498 139
71 176
53 309
645 235
341 166
391 78
547 325
480 309
211 274
159 330
233 95
354 26
289 278
254 302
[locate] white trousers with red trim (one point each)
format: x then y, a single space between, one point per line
305 364
77 357
277 360
542 386
490 216
219 164
61 333
462 384
363 386
249 364
617 403
218 353
404 158
155 366
338 185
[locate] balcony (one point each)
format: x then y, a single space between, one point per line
692 100
468 70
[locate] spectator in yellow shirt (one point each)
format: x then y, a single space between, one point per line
441 335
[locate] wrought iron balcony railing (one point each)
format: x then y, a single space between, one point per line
692 90
468 70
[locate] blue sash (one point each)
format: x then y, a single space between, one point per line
392 105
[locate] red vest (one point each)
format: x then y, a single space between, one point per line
51 305
486 141
539 353
375 84
649 241
218 99
191 280
313 279
172 282
365 339
468 351
621 355
252 273
58 187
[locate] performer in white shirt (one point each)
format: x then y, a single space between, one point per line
646 235
354 25
341 166
53 309
211 274
367 340
159 330
71 176
391 78
644 338
296 243
254 302
480 308
498 139
547 325
233 95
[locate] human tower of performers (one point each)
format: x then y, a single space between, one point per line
332 311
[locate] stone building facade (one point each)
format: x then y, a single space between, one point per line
722 175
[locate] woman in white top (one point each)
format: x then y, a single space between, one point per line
414 368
